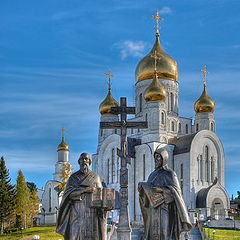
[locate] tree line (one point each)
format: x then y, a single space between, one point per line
19 203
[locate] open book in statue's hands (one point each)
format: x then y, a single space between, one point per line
154 194
103 198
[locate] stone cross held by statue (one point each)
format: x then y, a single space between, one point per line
124 230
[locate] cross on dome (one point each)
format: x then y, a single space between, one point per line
62 129
205 72
109 79
157 21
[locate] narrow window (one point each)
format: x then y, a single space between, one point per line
197 127
144 167
212 126
140 102
201 168
181 177
115 131
146 117
113 165
172 126
206 163
108 171
50 199
118 169
186 128
162 118
212 169
101 132
132 131
172 101
179 128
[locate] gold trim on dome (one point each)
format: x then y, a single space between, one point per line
63 146
166 67
204 104
155 91
109 101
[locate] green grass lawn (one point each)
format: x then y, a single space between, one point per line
222 234
46 233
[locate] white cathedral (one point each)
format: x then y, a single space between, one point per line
196 152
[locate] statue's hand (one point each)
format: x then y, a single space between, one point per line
90 190
158 190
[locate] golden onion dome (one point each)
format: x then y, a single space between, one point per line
107 104
166 66
204 104
63 146
155 91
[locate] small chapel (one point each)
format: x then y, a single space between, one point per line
196 153
50 197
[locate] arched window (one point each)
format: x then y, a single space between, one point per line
179 128
212 126
172 126
146 117
140 102
181 176
113 165
207 163
201 168
186 128
197 127
172 101
108 171
118 169
50 199
212 170
162 118
144 167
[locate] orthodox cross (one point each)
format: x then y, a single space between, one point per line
109 79
205 72
124 230
62 129
157 19
155 59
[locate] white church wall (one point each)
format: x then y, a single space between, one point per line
181 167
185 126
203 139
105 154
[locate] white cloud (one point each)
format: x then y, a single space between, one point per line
131 48
165 10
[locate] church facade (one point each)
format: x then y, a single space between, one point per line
50 197
195 151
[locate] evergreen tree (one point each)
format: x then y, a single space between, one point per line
32 186
22 199
34 201
7 195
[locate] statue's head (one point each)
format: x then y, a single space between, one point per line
84 161
160 157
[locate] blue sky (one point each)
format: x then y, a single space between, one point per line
53 55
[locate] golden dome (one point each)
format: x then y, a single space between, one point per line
166 66
107 103
63 146
204 104
155 91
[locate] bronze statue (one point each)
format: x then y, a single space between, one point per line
164 212
82 213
